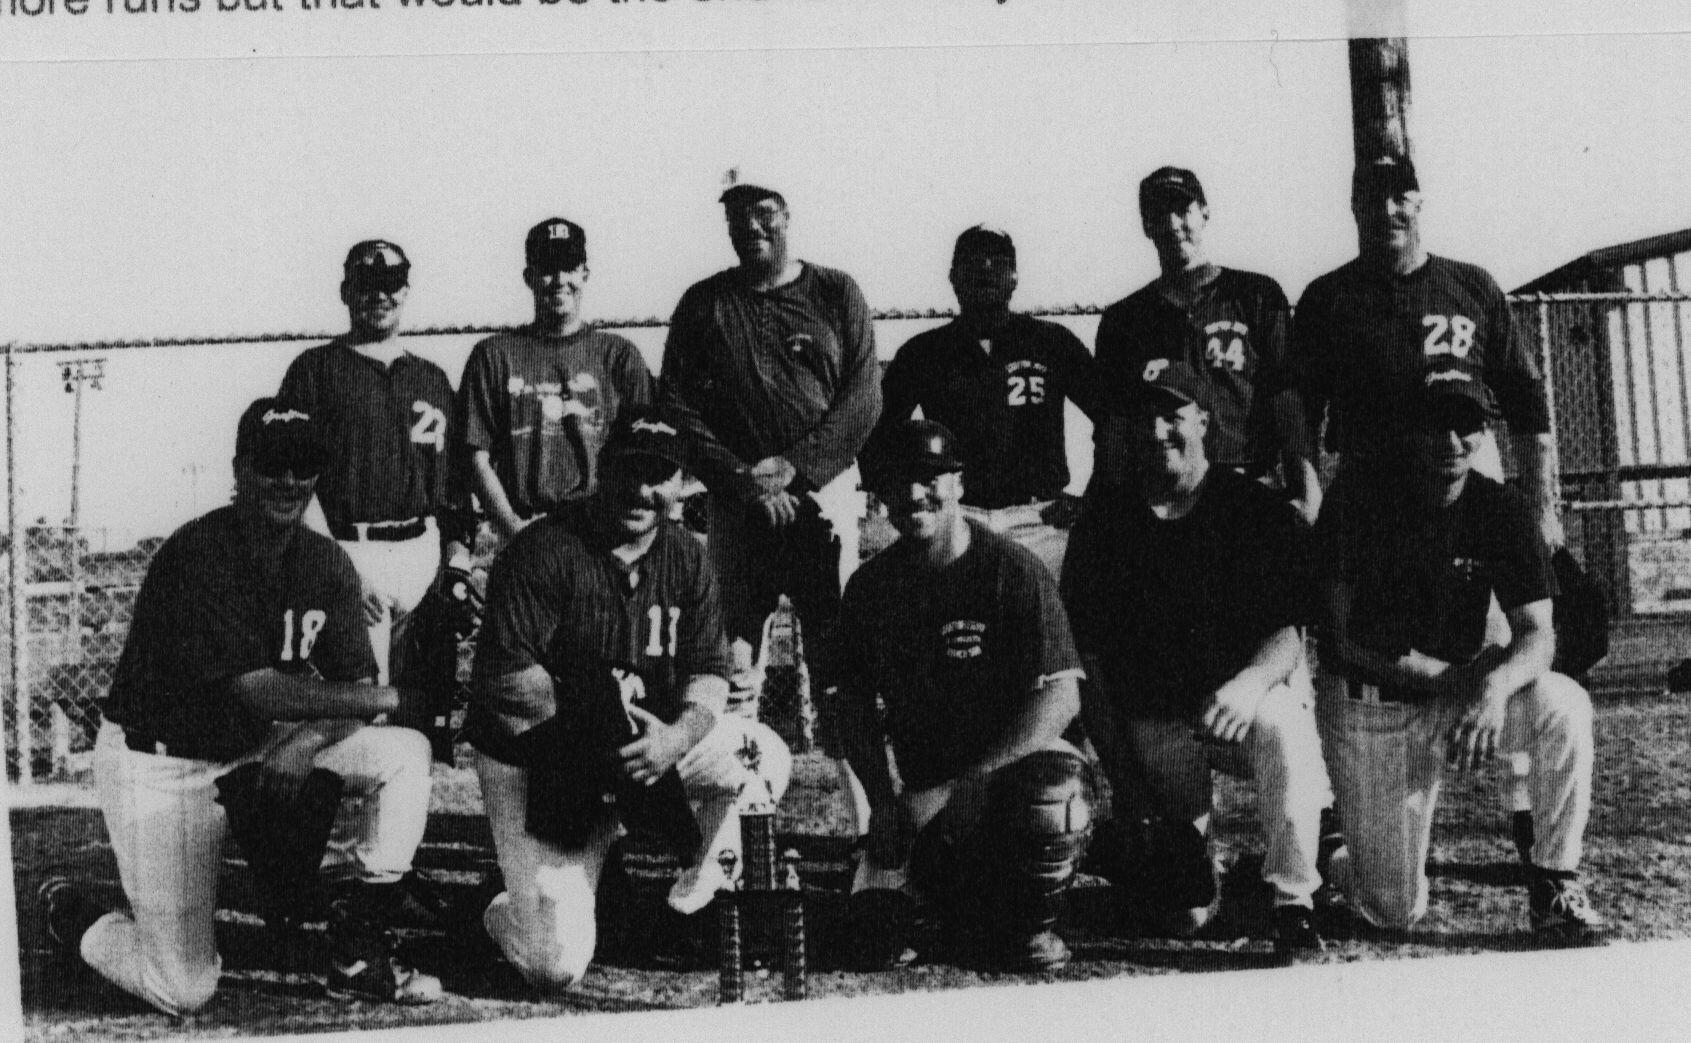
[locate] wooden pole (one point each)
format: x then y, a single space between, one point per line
1379 79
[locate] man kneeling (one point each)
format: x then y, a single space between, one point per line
600 681
960 633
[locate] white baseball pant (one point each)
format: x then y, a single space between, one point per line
1388 759
400 571
1282 753
544 921
166 830
1025 524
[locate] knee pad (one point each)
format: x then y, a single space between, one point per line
1049 793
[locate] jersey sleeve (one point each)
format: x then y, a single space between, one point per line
298 384
526 595
682 381
634 384
1308 366
342 651
703 645
479 396
831 446
1078 371
1524 572
1085 589
1277 401
1045 645
1512 371
902 390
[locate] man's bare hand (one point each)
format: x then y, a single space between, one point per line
659 748
774 474
1550 528
779 510
1474 738
286 767
1229 713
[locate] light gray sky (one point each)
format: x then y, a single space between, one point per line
216 197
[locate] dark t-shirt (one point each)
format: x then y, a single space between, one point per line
1175 608
388 429
541 408
789 371
954 654
1004 402
1233 330
1363 340
1422 578
209 612
557 596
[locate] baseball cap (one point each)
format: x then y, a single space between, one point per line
740 185
1167 380
1166 185
1386 175
648 431
914 450
1454 398
984 239
377 264
277 437
555 245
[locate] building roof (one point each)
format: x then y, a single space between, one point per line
1579 271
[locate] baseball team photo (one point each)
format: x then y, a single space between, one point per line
525 536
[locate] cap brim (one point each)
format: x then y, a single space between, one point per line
734 192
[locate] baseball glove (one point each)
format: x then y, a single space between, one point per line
426 660
283 841
1581 617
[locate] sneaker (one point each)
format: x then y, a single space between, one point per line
1332 837
879 925
1295 933
1561 912
67 913
362 965
422 902
1039 954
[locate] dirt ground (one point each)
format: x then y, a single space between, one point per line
1639 864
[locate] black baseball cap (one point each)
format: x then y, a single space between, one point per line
1455 399
648 431
378 264
1168 188
915 450
277 436
739 186
1173 380
555 245
1385 175
984 239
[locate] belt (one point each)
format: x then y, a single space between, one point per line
387 531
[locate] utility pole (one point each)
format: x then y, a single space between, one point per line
1379 79
76 373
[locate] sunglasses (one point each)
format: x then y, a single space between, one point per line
386 279
303 468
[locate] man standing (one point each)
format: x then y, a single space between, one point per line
247 646
384 493
535 403
773 364
1415 555
1368 331
999 381
959 632
1226 324
598 698
1188 621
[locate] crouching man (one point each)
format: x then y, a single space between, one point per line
959 632
1409 684
599 686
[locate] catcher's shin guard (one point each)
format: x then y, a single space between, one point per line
282 841
1036 826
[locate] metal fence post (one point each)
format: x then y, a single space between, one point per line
17 609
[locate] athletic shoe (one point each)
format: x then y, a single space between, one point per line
1332 837
1295 933
1039 954
67 913
879 925
362 964
1561 912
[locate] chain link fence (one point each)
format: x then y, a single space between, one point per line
1616 365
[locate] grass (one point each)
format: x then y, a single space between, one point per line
1638 860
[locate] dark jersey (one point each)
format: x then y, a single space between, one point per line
1363 340
210 611
387 428
1175 608
1422 577
1233 330
789 371
1003 400
557 596
955 654
541 407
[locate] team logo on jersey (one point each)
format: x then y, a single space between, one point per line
797 343
1467 569
964 638
655 426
